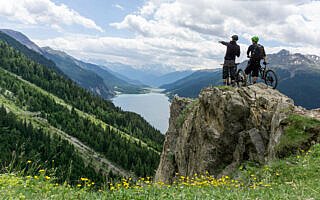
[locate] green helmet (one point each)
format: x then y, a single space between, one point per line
255 39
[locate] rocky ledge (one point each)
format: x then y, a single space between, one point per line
226 126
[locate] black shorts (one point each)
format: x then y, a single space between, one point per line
229 68
253 66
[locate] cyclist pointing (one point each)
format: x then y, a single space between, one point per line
229 66
256 53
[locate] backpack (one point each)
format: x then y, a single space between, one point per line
258 52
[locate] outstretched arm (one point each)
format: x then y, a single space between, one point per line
224 43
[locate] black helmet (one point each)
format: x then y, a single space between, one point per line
235 37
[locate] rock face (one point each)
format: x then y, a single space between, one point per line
222 128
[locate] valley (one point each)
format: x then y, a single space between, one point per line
126 100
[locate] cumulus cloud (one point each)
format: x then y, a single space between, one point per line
44 12
185 33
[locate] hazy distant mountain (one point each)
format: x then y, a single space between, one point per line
145 77
171 77
299 78
191 85
22 39
149 75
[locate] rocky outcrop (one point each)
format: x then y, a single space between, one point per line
222 128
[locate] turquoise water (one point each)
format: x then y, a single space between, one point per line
153 107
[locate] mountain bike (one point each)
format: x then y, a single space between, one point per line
267 75
240 78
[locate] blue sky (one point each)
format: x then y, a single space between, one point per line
104 12
183 34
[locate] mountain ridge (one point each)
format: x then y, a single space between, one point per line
23 39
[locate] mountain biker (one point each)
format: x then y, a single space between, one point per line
229 66
256 53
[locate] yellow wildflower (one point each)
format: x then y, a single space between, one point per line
29 161
84 179
42 171
47 177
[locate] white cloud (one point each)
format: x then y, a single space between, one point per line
139 51
118 6
185 33
44 12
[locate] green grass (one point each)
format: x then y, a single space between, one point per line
297 135
296 177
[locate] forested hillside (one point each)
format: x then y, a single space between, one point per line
28 53
124 138
25 148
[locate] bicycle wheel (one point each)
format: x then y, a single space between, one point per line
241 78
271 79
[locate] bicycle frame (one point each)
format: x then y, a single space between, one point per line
262 72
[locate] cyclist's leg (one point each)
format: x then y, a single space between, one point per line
225 74
255 71
248 70
233 74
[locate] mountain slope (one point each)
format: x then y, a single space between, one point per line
39 58
25 146
22 39
86 79
65 107
81 76
112 81
89 76
299 78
